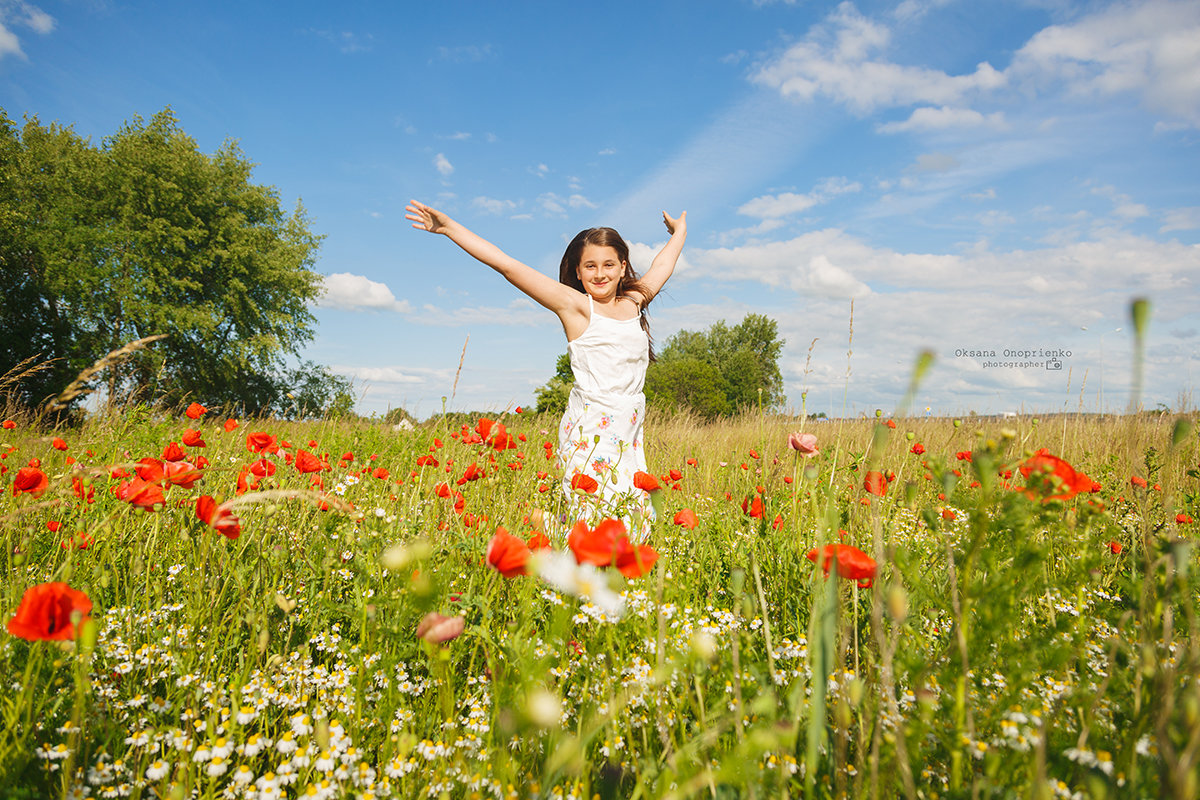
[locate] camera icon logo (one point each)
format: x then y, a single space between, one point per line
1054 363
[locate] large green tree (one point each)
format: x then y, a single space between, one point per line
143 235
721 370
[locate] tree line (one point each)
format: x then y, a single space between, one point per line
712 373
144 235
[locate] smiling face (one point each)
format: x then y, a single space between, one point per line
600 269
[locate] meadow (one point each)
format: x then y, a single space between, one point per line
212 608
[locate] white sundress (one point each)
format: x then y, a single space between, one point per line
601 431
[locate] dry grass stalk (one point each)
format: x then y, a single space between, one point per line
78 387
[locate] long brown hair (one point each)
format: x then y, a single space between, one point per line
568 273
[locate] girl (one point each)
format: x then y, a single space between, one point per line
601 304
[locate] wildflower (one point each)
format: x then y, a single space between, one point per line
307 462
803 443
753 507
564 573
261 442
138 492
687 519
874 482
891 423
173 452
195 411
49 611
218 517
538 541
193 438
1137 481
608 545
158 770
645 481
507 554
585 482
918 448
1056 476
1183 519
852 563
230 425
471 473
8 425
436 628
964 455
58 444
1115 548
30 480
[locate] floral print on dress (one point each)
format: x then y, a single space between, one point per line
605 421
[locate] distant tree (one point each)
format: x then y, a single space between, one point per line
687 383
552 397
737 363
145 235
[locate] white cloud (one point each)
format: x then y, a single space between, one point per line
835 60
943 118
443 165
579 201
935 162
393 375
492 205
1150 48
608 151
540 170
1181 219
521 312
347 291
778 205
21 15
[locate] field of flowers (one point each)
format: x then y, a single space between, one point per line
206 607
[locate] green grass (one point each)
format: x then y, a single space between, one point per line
1007 652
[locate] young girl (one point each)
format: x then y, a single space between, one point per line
601 303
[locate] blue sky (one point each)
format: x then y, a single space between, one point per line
975 176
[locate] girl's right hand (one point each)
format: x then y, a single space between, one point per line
425 218
675 224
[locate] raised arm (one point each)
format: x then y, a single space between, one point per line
663 265
541 288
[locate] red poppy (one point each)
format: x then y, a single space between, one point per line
307 462
484 426
381 473
1115 548
778 523
538 541
852 563
173 452
86 493
1137 481
507 554
471 473
53 525
1058 479
30 480
8 425
150 470
634 561
891 423
753 507
46 612
196 411
218 517
181 474
585 482
260 442
1183 519
192 438
58 444
963 455
263 468
874 483
138 492
427 461
645 481
686 518
230 424
918 448
595 545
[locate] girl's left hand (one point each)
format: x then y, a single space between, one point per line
677 224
